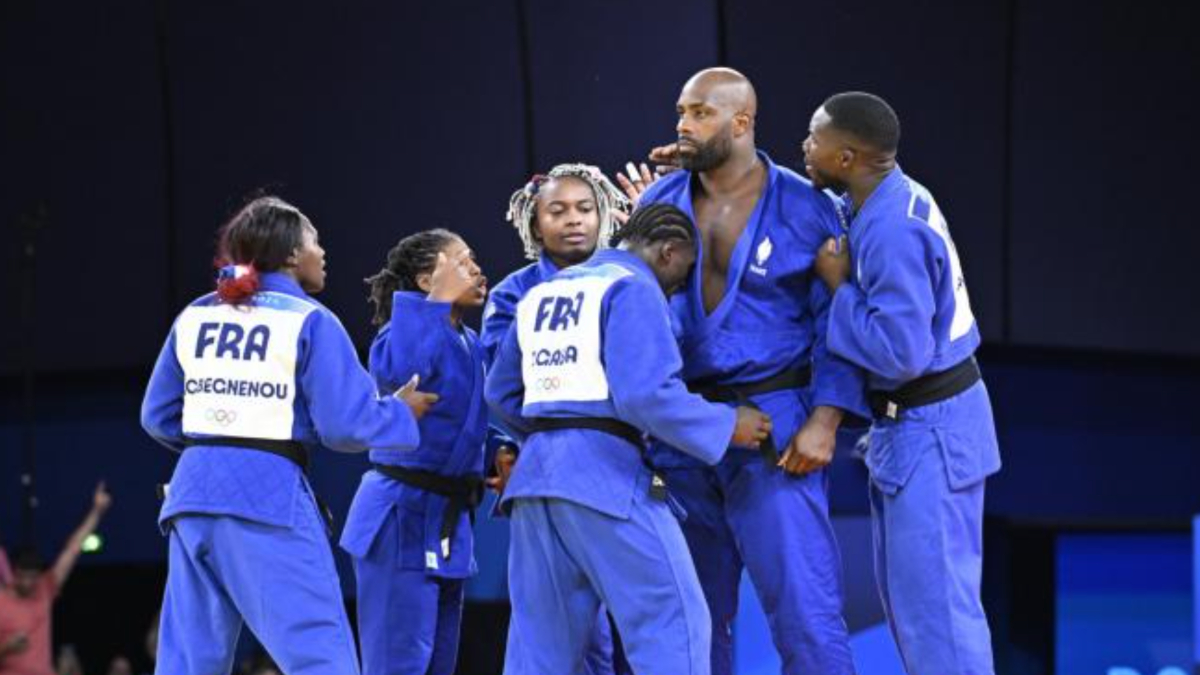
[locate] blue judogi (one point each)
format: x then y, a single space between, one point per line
247 542
410 579
596 341
908 315
498 315
743 513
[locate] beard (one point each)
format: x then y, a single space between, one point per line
709 155
823 181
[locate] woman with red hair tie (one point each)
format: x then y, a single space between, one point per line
251 379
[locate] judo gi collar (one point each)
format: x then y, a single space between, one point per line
890 182
625 258
280 283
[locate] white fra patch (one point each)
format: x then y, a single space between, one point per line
558 328
239 369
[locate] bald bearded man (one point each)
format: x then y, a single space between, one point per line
751 323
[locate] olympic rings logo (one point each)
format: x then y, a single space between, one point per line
222 417
547 383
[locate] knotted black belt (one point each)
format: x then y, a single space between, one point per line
463 493
794 378
924 390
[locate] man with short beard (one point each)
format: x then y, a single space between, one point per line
901 311
752 322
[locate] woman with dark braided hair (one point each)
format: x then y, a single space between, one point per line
409 527
251 379
588 369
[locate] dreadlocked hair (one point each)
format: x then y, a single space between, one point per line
416 254
522 206
656 222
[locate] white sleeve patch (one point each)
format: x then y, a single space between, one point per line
963 318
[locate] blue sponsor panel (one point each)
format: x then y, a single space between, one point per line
1124 604
1196 592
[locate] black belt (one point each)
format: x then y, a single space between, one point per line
291 450
608 425
463 492
793 378
924 390
614 427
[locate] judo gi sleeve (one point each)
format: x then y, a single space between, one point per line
347 413
885 322
417 331
162 406
642 363
505 386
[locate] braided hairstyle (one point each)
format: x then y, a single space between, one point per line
415 255
522 206
656 222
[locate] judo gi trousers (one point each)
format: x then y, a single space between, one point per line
566 559
600 657
280 581
408 621
928 565
776 526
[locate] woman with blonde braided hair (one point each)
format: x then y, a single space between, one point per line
562 217
541 210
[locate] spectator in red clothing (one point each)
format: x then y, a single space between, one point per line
25 604
5 569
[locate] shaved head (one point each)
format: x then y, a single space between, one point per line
716 119
723 88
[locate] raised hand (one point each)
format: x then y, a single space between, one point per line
101 500
666 157
639 178
451 278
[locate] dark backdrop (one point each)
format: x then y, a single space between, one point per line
1059 141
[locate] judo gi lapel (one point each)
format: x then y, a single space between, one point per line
738 261
467 447
468 442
